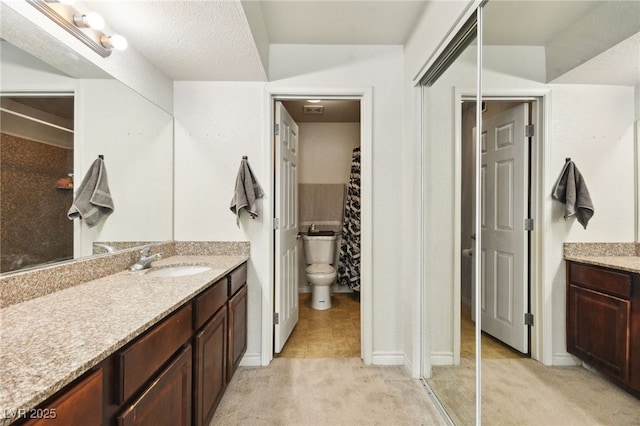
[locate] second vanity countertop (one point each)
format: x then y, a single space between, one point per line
47 342
624 263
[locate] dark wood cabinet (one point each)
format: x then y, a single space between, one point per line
167 401
174 374
237 311
141 359
209 376
81 404
603 321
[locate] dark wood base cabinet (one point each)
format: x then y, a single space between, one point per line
210 367
603 321
80 404
167 401
174 374
237 312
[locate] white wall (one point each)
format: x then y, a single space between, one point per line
216 123
326 150
594 126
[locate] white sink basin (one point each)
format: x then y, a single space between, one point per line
178 271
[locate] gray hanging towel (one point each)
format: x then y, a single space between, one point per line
246 192
571 190
93 201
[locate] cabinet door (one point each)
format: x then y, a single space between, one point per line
237 330
210 367
597 330
80 405
167 401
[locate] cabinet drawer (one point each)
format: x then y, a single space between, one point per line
237 279
209 302
167 400
141 360
80 405
610 282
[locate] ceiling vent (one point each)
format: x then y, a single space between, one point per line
313 109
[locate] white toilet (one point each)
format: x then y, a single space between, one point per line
319 254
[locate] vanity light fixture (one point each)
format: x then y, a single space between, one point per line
115 41
90 20
86 27
314 101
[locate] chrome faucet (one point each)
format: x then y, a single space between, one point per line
145 258
107 247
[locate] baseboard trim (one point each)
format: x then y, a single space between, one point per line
564 359
251 360
442 358
388 358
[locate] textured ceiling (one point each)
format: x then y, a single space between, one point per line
188 40
340 22
216 40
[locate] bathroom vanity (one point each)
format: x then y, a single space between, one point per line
603 316
128 348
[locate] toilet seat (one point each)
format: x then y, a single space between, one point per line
320 268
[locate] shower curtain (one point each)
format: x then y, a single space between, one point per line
349 267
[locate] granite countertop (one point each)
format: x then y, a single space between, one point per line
47 342
623 263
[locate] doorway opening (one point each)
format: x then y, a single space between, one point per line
328 133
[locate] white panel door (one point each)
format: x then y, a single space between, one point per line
504 254
286 212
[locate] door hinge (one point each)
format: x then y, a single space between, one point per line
276 223
276 318
528 224
529 130
276 129
528 318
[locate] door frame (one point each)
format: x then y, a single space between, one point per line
365 96
541 338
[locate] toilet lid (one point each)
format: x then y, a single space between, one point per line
320 268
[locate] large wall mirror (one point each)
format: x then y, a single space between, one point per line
54 127
571 69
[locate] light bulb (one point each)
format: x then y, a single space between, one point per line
114 42
90 20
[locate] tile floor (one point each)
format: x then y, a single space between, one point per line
332 333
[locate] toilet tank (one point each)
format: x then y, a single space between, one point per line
319 249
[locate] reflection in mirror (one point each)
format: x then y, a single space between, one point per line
526 372
450 140
36 162
99 117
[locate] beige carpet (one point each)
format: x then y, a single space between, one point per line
326 391
524 392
